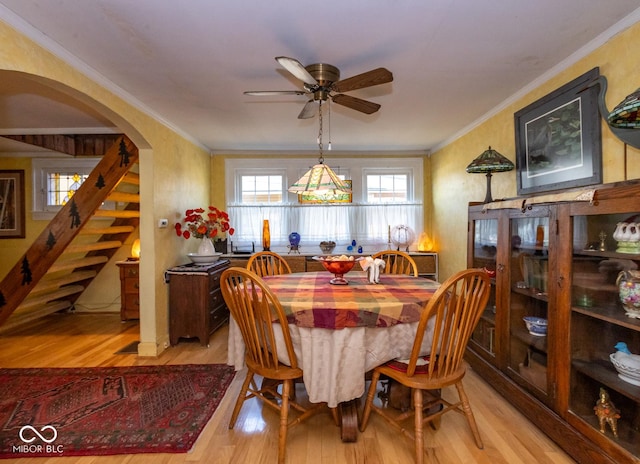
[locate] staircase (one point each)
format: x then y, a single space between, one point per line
77 243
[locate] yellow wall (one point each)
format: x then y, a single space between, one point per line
11 249
453 188
174 172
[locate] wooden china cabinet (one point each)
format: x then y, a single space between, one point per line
555 258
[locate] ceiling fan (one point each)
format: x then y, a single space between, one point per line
322 80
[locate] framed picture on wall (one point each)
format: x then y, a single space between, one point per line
558 139
12 208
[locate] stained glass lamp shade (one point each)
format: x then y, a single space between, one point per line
319 179
627 114
489 161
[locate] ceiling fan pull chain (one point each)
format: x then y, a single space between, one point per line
329 144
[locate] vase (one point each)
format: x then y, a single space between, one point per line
206 247
294 242
266 236
220 245
628 283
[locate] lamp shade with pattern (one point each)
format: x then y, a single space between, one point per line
319 179
489 161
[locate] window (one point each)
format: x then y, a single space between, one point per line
55 180
62 186
385 188
261 188
387 192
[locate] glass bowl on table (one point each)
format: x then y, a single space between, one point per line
338 266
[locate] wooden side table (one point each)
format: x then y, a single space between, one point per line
196 306
129 290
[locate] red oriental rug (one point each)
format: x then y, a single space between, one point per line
107 410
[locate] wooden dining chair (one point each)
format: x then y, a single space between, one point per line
397 262
255 309
455 309
268 263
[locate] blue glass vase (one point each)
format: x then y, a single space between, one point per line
294 242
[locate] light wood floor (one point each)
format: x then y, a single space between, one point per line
80 340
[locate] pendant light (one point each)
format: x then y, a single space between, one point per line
320 179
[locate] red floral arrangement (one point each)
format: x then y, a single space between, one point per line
199 224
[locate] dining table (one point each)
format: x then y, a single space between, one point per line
340 332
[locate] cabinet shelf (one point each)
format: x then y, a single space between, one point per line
489 316
628 438
531 293
538 343
606 254
604 372
611 314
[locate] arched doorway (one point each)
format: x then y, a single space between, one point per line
32 105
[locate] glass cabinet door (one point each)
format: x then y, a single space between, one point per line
605 259
529 303
484 255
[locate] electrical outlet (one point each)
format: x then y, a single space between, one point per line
162 223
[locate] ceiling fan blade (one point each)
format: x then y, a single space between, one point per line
295 67
368 79
263 93
310 109
354 103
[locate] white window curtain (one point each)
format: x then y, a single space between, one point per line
368 224
486 231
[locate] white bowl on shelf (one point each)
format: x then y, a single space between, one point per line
536 325
627 373
202 260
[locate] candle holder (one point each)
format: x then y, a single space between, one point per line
602 237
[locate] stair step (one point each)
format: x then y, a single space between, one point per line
87 247
22 317
124 197
117 213
43 298
46 285
71 264
112 230
131 178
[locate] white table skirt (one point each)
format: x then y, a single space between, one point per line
334 362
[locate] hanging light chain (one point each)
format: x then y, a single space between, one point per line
321 158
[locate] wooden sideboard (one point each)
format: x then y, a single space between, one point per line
129 290
196 306
427 263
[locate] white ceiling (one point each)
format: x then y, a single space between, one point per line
188 63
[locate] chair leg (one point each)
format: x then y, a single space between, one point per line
284 420
369 402
466 407
419 438
241 397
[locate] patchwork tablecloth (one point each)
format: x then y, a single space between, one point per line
311 301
